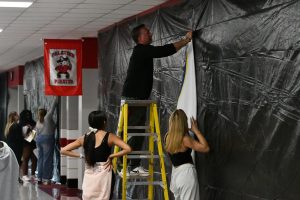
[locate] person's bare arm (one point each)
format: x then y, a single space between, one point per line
201 145
52 107
181 43
115 140
68 150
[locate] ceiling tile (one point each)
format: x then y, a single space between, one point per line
147 2
99 6
58 2
24 29
53 5
121 2
89 10
136 7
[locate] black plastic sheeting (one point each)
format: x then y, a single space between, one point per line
247 56
3 103
34 94
34 86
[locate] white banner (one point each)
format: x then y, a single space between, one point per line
187 100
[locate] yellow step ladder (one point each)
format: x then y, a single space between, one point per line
154 135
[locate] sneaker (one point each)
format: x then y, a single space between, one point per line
121 173
34 178
25 178
140 171
20 180
46 182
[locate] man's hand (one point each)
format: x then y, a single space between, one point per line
189 36
184 41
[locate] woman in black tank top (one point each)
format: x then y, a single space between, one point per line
97 144
179 145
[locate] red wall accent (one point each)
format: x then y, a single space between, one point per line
70 141
89 53
15 76
63 142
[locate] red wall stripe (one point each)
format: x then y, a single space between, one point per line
63 142
89 53
15 76
70 141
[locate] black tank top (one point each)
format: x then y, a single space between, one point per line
181 158
102 151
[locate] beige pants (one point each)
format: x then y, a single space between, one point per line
184 183
96 183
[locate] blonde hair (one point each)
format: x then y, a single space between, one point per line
10 121
178 127
41 115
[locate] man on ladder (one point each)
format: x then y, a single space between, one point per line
139 81
137 87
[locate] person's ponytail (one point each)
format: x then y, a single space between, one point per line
89 146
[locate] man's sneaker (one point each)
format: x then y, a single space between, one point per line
139 171
121 173
25 178
34 178
46 182
55 182
20 180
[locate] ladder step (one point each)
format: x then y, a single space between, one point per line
131 199
142 134
134 176
138 127
140 152
138 102
146 183
137 176
142 156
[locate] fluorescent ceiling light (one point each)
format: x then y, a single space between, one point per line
1 30
11 4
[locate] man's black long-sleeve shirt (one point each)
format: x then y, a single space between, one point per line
139 80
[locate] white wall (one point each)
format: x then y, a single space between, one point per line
74 121
89 98
16 99
87 103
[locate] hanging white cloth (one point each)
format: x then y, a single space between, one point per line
187 100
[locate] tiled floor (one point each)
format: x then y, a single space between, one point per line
33 191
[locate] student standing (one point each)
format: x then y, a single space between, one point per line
45 141
27 123
97 144
179 145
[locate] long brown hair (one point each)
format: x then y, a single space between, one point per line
10 121
178 127
41 115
